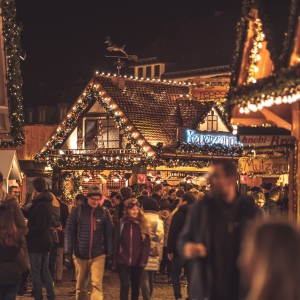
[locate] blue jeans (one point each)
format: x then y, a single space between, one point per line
40 265
177 265
8 292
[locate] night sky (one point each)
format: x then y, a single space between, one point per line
64 39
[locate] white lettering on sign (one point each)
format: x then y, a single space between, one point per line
267 140
255 165
201 138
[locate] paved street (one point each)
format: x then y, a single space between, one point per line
111 288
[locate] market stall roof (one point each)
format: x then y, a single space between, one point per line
252 96
155 109
9 165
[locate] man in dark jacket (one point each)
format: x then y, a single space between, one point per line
89 228
38 238
158 192
178 220
59 244
271 206
212 234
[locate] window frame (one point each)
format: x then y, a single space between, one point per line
106 141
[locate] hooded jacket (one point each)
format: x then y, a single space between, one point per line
156 237
39 223
129 247
89 232
197 229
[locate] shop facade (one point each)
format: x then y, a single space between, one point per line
135 132
264 90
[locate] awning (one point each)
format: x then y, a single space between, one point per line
9 165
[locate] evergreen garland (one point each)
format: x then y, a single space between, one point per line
11 33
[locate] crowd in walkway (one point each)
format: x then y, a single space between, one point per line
224 243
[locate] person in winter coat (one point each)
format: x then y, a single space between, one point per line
131 248
10 243
211 237
164 213
177 224
55 225
59 244
38 238
264 244
150 207
89 230
271 206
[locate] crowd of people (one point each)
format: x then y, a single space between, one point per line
224 243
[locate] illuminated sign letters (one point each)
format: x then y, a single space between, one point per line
202 138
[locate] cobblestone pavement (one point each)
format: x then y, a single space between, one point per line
162 291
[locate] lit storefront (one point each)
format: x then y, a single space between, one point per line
264 92
135 132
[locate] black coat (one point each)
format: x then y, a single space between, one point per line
64 214
197 229
176 226
272 208
39 223
90 230
9 267
156 197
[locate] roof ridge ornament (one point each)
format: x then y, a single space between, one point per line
113 47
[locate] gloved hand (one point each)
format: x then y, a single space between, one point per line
68 261
108 262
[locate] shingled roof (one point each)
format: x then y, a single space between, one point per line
157 110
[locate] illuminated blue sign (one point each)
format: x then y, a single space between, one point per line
202 138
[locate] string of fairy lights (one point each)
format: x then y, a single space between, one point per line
11 33
255 57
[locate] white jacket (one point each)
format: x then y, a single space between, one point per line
155 222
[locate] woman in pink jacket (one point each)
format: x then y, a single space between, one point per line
131 248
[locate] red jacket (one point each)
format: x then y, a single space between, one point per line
130 249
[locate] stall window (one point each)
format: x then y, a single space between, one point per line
42 116
62 112
148 72
156 70
212 121
101 133
140 72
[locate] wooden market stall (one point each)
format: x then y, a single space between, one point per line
120 129
265 90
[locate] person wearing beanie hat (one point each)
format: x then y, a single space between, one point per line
93 243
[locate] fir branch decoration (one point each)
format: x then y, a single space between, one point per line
11 33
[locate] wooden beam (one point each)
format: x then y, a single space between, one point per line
276 119
249 121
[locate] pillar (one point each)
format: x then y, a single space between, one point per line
56 178
294 190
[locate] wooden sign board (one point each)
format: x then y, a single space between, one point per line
261 165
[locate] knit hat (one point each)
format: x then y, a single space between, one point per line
94 190
256 189
267 186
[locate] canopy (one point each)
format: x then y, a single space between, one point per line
9 165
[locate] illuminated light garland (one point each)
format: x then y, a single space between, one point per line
69 122
209 150
282 87
11 34
255 57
